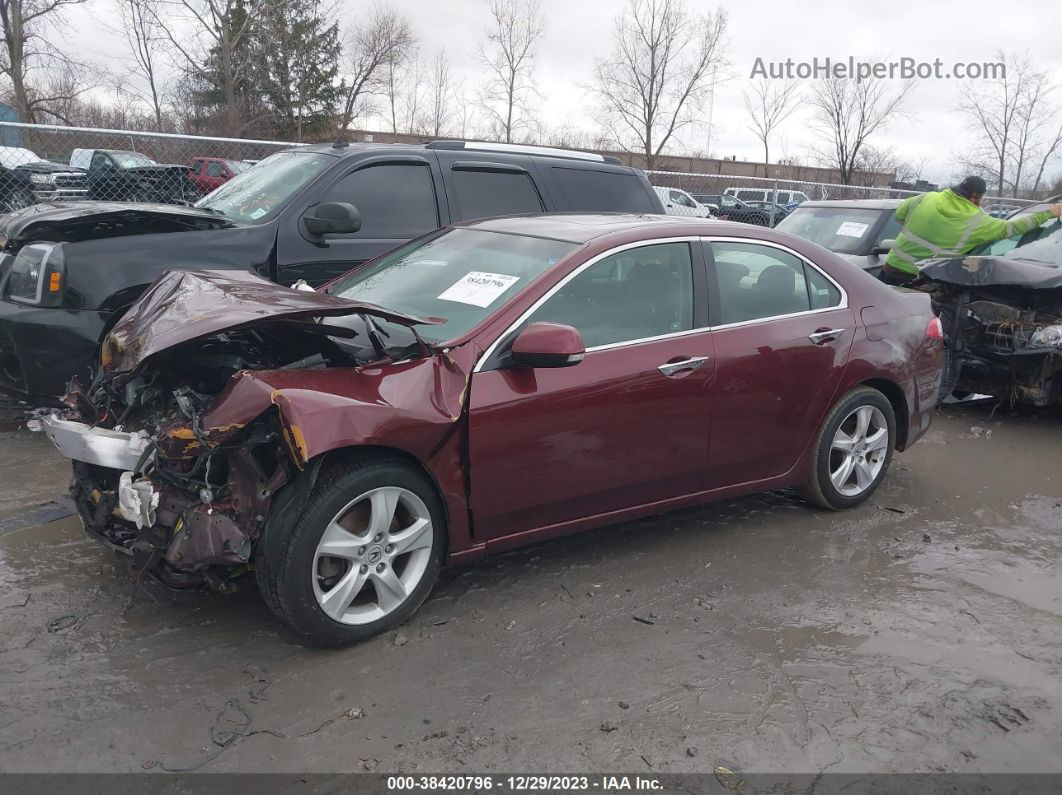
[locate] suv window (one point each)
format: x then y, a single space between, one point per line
484 193
395 200
755 281
634 294
579 189
214 169
751 195
680 198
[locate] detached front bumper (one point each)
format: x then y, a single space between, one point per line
100 446
42 349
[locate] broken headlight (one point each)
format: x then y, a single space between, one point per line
36 275
1047 337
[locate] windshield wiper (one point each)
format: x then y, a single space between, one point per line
213 210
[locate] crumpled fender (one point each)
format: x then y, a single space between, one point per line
408 405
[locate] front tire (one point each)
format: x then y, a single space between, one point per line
364 555
852 451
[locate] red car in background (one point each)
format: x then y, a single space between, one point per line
208 173
488 385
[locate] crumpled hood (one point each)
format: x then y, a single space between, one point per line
993 272
183 306
24 225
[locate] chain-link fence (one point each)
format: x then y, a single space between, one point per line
49 163
766 201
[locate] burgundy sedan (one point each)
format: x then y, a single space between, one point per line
488 385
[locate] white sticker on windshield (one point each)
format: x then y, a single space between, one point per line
478 288
852 229
256 214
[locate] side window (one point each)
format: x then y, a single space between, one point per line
750 195
681 199
631 295
395 201
214 169
755 281
481 194
582 189
821 290
99 160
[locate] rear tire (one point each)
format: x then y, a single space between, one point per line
364 555
852 451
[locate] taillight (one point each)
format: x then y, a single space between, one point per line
935 329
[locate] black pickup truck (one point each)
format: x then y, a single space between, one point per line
68 271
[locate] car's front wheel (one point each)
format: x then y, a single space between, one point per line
852 451
365 554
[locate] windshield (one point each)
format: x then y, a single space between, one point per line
1043 244
263 188
845 230
131 159
462 276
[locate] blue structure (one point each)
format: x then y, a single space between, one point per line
9 136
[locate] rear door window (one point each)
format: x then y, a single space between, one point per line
396 200
482 193
750 195
591 189
755 282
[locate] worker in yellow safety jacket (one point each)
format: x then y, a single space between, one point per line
949 223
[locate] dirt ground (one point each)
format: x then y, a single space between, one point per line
920 632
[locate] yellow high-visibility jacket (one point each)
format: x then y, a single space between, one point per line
945 224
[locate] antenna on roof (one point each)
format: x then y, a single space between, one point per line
340 144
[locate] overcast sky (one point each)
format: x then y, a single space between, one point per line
580 30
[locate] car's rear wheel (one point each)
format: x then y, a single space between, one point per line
365 554
852 450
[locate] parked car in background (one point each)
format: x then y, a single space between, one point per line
118 175
349 460
728 208
678 202
308 213
776 212
787 198
209 173
48 181
16 190
1034 208
860 230
1001 307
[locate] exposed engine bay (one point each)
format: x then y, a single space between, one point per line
180 451
1002 321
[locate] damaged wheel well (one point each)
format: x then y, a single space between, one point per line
896 398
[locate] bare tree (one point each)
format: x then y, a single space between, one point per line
659 73
403 90
1052 146
769 103
848 113
144 36
383 38
23 24
441 99
509 58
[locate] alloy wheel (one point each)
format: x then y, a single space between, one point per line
859 450
372 555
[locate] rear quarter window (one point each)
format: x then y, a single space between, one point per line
588 189
483 193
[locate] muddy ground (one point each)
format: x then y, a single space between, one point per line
920 632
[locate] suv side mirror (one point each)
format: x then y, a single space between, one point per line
883 247
332 218
548 345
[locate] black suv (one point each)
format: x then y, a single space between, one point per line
69 271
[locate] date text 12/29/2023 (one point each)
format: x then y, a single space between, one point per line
523 783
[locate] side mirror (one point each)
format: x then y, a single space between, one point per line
548 345
883 247
332 218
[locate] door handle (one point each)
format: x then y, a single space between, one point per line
825 335
691 363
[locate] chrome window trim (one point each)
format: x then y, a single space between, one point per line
556 288
489 352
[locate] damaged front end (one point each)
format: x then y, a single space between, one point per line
1002 320
193 428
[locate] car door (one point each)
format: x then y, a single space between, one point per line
626 426
397 199
782 330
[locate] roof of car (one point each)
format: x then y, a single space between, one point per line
584 227
859 204
346 149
